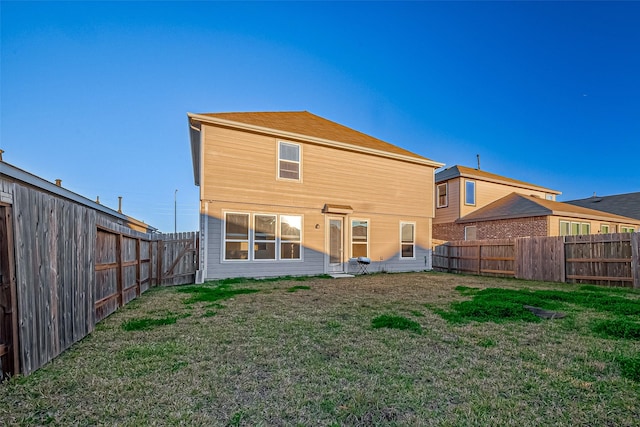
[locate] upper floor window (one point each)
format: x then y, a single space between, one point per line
604 228
289 161
407 240
469 192
443 199
625 229
549 196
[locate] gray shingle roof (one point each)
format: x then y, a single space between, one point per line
620 204
520 206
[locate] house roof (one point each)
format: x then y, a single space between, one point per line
307 127
517 205
620 204
457 171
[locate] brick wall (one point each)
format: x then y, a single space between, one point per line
499 229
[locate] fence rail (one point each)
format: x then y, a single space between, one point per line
607 259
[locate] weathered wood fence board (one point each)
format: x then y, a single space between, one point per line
54 265
179 257
73 266
540 258
603 259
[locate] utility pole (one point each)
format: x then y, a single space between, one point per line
175 211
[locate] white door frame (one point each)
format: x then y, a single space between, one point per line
333 268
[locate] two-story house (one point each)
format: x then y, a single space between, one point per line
291 193
473 204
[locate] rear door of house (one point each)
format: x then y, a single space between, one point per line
335 238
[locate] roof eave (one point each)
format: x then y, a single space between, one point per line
526 185
319 141
194 136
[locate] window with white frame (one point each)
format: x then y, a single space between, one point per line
289 161
264 236
604 228
407 240
236 236
469 192
470 232
359 238
441 192
570 228
290 236
627 229
272 237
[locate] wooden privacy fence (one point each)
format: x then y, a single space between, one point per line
66 266
604 259
127 263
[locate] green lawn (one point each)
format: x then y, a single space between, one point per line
384 349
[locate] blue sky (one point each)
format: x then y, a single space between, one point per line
96 93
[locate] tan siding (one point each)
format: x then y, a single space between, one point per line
489 192
452 211
614 226
242 167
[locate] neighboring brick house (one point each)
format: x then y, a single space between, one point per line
620 204
517 215
461 190
473 204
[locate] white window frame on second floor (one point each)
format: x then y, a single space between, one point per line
605 228
407 242
627 229
442 193
469 190
289 166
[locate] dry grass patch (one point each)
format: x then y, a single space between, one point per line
313 357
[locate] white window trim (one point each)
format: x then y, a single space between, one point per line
474 192
278 177
415 233
251 241
571 225
465 231
253 236
627 229
351 234
223 252
279 239
446 194
608 228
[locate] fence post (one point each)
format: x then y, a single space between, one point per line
120 270
138 267
479 258
448 257
635 259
